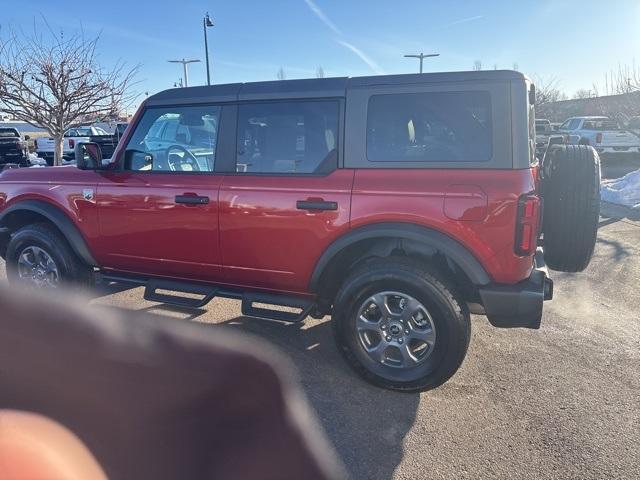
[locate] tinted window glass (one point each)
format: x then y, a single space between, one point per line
288 137
8 132
573 124
430 127
174 139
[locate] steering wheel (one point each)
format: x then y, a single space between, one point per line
187 159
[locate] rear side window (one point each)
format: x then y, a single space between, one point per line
430 127
288 137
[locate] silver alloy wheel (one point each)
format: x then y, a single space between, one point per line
395 329
36 266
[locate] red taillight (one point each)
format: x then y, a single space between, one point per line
527 224
598 137
72 143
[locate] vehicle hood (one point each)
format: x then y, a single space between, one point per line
51 175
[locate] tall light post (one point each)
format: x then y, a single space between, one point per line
184 66
422 56
206 22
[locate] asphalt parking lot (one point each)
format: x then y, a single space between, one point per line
561 402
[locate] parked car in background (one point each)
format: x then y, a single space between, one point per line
634 125
602 133
398 204
543 131
121 127
45 147
13 147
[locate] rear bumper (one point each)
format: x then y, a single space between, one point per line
12 157
618 151
519 305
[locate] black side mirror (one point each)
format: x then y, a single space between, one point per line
27 137
88 156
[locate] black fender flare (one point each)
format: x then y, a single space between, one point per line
56 216
432 238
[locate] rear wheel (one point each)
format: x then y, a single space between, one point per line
400 325
38 256
571 189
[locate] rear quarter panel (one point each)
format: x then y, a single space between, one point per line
475 207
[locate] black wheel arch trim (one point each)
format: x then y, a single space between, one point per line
56 216
441 242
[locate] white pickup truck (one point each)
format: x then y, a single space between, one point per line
603 134
45 147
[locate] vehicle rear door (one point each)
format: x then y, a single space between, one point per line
283 199
158 214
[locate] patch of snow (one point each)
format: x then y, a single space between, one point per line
623 191
36 160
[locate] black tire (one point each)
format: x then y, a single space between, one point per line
428 286
71 270
571 191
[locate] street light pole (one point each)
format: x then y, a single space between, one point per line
422 56
206 22
184 66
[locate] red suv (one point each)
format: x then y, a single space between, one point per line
396 204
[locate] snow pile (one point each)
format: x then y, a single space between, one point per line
37 161
624 191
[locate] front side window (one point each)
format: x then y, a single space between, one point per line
288 137
174 139
430 127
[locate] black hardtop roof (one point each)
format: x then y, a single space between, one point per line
316 87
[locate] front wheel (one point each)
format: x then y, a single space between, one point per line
401 325
38 256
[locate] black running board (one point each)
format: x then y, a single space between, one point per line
206 293
248 299
169 292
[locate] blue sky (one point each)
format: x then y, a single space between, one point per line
574 41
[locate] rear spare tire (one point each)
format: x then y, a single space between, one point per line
571 190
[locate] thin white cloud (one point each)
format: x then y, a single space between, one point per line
323 18
363 56
332 26
463 20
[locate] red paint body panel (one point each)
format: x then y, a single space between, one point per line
418 197
143 230
251 234
62 187
266 241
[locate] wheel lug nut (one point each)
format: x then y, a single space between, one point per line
406 332
383 327
388 338
400 340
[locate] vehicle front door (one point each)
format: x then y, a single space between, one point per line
283 199
158 212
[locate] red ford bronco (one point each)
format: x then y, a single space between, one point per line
396 204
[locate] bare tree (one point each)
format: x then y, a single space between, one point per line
477 65
548 91
583 93
281 75
320 72
56 82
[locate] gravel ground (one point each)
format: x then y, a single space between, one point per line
560 402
